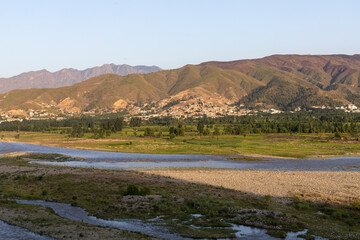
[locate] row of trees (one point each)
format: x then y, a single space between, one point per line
300 122
101 129
75 127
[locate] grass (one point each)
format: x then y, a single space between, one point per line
270 145
113 194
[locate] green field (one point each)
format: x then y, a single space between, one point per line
132 140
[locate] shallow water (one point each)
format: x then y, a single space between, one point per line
11 232
307 166
116 160
147 227
79 214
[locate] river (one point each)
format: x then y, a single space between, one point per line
117 160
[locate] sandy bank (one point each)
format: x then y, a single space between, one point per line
328 186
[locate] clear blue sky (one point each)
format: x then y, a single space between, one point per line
55 34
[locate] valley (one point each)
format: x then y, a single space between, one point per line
272 84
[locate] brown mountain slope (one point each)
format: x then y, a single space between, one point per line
325 70
282 81
67 77
104 91
316 79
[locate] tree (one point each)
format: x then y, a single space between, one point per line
77 131
200 127
206 131
149 132
135 122
216 131
118 124
178 131
99 133
337 135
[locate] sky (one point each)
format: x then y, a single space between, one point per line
56 34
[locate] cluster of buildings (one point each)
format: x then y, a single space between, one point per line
349 108
20 115
194 107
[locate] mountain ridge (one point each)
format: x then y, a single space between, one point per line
284 82
67 76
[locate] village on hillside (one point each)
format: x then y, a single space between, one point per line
193 107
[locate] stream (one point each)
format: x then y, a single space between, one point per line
152 227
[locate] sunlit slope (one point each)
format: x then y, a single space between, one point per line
281 81
103 91
301 80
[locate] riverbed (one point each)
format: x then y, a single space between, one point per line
151 227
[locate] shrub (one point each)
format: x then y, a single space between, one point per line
277 234
149 132
134 190
300 205
267 198
145 191
172 136
337 135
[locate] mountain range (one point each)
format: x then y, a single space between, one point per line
280 81
67 76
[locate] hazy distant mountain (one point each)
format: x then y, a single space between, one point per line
281 81
67 76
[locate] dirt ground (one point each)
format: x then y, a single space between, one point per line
342 187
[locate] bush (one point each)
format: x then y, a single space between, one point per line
172 136
145 191
268 198
306 236
277 234
149 132
300 205
337 135
134 190
355 205
206 132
